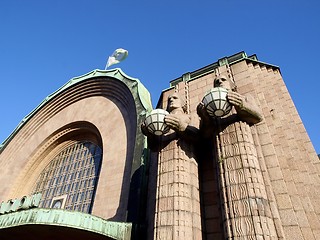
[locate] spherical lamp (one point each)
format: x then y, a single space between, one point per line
155 122
216 102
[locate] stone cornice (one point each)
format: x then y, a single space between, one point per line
230 60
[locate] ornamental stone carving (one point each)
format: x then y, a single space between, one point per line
244 200
177 211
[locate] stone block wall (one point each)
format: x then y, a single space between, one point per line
287 160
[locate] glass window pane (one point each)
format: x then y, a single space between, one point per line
74 171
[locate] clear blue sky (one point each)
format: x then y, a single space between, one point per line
43 44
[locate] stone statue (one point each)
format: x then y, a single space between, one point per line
245 107
178 121
244 202
177 188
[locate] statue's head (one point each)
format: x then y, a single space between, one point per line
176 101
225 82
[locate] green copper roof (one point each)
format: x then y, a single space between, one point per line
116 73
64 219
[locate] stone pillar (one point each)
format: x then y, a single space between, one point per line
247 211
177 203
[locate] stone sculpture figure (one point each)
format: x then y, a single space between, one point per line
177 211
246 109
245 204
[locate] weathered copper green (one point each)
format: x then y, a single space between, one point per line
69 219
17 204
134 84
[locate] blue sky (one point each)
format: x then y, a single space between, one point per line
43 44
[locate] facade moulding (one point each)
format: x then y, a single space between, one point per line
63 219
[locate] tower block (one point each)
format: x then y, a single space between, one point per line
255 169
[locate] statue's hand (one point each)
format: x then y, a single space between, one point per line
177 122
202 112
235 99
246 108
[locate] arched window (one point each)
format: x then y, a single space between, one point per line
70 179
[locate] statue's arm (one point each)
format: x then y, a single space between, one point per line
246 108
180 123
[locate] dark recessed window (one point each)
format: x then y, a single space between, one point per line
72 174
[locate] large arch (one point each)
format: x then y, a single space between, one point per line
106 107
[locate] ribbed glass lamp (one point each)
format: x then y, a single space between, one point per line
216 102
155 122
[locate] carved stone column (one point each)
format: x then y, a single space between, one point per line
246 205
178 203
